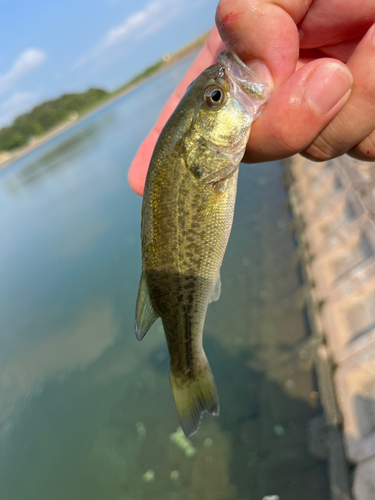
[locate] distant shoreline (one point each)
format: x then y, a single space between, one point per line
62 127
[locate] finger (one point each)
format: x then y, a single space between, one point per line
342 51
264 30
357 118
206 57
330 22
299 110
365 150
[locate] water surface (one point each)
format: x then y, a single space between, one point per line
85 410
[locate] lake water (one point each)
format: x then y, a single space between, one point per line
86 411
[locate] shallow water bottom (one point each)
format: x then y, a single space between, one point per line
85 410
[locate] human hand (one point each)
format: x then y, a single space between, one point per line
310 52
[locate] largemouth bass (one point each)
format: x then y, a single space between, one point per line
187 216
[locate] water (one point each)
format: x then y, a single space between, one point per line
85 410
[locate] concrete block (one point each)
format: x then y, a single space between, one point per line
368 201
302 168
364 481
318 198
346 262
366 170
361 175
358 172
316 181
355 384
324 369
328 231
338 467
349 323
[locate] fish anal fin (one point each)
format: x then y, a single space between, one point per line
145 314
193 396
216 290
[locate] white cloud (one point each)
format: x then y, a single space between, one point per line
134 22
138 25
27 61
82 60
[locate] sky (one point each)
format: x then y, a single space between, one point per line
53 47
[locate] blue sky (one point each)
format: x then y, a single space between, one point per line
51 47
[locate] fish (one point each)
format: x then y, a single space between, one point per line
187 214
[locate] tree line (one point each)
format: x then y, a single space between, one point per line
47 115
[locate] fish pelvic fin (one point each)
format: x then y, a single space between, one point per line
193 396
145 315
216 290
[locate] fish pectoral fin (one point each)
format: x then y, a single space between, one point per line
193 395
218 178
211 166
145 314
216 290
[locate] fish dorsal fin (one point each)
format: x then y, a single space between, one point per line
216 290
145 314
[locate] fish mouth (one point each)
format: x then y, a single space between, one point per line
246 87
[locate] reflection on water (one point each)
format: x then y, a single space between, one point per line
55 158
86 410
74 347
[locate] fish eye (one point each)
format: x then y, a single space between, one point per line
214 96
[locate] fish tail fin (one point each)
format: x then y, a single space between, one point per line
193 396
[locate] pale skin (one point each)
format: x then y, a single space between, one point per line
319 58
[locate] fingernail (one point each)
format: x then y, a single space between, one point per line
261 70
327 85
373 34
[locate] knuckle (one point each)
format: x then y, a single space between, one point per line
313 156
364 150
324 148
315 153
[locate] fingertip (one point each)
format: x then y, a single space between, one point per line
262 30
138 169
135 181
